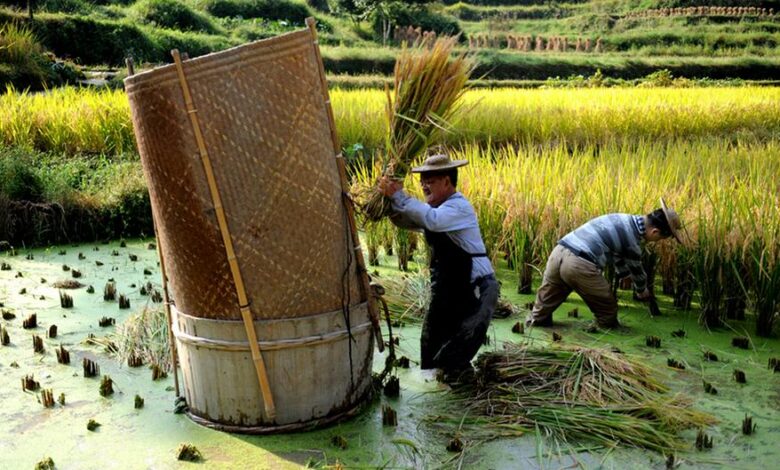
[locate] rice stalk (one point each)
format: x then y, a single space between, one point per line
408 296
573 394
144 335
428 85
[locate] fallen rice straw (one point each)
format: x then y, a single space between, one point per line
574 393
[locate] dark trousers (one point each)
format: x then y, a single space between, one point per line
452 335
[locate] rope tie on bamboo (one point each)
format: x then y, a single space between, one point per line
346 299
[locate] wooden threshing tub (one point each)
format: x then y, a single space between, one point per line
257 240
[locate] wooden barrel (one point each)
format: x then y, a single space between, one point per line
239 152
305 358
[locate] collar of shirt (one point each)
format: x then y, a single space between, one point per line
639 220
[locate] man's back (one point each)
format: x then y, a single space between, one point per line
607 237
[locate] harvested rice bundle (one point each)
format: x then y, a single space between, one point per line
144 336
573 393
408 296
427 88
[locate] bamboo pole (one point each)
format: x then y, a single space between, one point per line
238 280
362 273
166 299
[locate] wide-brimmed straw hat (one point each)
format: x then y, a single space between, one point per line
673 219
439 162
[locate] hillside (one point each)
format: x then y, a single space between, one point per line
513 39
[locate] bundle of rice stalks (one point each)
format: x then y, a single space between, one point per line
574 393
408 296
427 87
144 336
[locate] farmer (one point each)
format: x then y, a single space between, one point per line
464 290
577 262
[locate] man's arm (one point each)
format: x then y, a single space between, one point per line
401 220
447 217
633 266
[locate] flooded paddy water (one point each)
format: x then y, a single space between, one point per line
150 436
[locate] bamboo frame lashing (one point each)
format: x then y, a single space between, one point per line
362 272
166 299
238 281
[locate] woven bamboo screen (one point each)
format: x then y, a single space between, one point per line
265 126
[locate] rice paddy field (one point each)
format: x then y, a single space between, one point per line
151 435
541 163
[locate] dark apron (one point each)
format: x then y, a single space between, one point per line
452 332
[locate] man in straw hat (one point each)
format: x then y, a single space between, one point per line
464 290
577 262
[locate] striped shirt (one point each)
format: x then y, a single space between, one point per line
612 238
455 216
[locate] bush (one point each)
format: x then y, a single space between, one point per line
266 9
56 199
468 12
24 63
109 42
193 43
67 6
402 15
500 65
173 14
18 180
510 2
319 5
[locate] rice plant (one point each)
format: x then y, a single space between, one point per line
580 117
527 198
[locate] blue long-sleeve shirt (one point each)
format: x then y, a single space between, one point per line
455 216
612 238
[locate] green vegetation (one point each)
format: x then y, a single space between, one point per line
513 39
528 197
49 198
23 62
173 14
266 9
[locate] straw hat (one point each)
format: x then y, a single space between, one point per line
674 220
439 162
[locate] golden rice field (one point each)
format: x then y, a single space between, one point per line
527 198
74 120
543 162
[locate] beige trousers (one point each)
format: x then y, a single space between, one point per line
565 272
